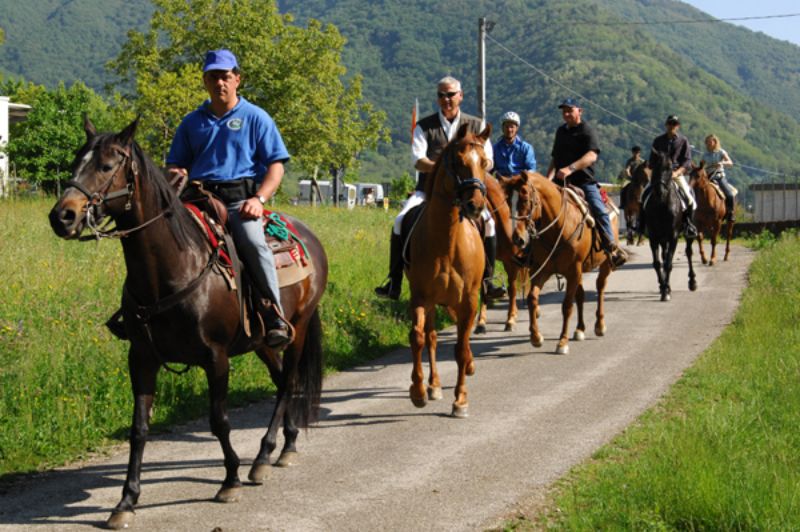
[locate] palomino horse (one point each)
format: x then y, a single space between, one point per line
447 262
710 214
631 195
664 219
178 307
553 230
507 252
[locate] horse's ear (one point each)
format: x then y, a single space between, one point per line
487 132
462 131
125 136
88 127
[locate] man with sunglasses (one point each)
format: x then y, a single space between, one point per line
236 150
431 135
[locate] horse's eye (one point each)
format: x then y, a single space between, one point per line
107 168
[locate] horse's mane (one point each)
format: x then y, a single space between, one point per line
163 194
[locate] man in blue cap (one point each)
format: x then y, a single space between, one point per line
575 151
236 150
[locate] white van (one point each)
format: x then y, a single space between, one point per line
347 194
369 194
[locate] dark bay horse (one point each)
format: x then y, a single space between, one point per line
664 219
631 199
710 214
507 252
178 307
447 262
557 239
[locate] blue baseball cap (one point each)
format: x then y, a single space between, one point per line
569 102
220 60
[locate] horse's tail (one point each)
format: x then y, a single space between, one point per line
305 393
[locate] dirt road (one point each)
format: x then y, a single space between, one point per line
375 462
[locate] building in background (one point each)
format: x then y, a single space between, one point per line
10 113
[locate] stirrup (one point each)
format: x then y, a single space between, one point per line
492 291
278 337
386 290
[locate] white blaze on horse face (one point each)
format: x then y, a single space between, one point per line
473 158
84 162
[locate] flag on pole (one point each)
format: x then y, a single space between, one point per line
414 117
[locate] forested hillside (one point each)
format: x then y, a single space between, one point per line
716 77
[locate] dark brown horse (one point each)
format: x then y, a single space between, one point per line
710 214
631 199
178 307
507 252
447 262
553 230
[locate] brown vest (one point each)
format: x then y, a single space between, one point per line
437 139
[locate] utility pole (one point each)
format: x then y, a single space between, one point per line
484 27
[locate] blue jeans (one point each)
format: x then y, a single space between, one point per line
598 208
248 235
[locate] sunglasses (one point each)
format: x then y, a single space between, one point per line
446 94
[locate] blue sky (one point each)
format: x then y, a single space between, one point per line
787 29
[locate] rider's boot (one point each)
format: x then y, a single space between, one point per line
491 291
391 288
278 336
689 229
616 255
729 209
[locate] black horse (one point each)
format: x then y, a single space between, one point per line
178 306
664 221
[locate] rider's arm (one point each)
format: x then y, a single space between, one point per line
587 160
419 151
726 159
253 207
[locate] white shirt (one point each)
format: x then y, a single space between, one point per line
419 145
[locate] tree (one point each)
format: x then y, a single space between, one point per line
296 74
43 146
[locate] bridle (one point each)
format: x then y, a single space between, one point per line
462 184
96 220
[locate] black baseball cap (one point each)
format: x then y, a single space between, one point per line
672 119
569 102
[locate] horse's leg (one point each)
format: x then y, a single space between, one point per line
217 375
655 249
580 331
434 384
143 381
466 364
602 281
533 312
692 277
573 278
728 234
480 328
714 234
511 317
416 338
629 228
668 257
639 228
700 247
259 471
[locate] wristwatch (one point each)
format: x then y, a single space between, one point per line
571 168
262 199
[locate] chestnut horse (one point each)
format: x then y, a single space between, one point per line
178 308
553 231
447 262
631 195
664 218
499 205
710 214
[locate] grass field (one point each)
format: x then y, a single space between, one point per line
722 450
64 387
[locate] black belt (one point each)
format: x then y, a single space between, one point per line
232 190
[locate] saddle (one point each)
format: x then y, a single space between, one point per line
579 198
410 222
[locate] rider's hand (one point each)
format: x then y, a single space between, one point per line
251 209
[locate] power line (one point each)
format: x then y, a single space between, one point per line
612 113
688 21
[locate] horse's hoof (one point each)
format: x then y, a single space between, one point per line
470 368
537 341
600 330
509 326
417 400
563 349
232 494
480 329
579 336
259 473
460 411
692 285
435 393
287 459
712 262
665 297
120 520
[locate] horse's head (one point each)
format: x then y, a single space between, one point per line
698 177
661 166
528 207
102 182
641 174
465 163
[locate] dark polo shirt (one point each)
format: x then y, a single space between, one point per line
436 137
570 145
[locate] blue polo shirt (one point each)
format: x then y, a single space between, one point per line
511 159
240 144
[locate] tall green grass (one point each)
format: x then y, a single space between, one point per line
722 451
64 388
